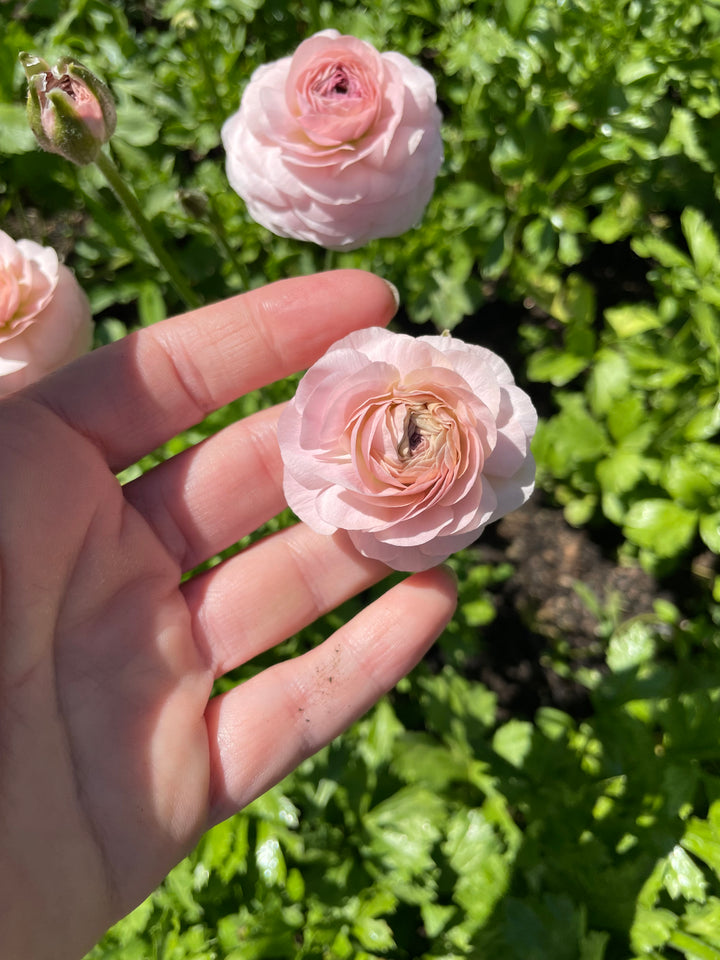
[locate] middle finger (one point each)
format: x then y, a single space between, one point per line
265 594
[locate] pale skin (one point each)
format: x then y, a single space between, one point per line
113 758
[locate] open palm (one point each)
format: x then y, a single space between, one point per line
113 759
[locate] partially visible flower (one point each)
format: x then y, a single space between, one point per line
70 111
410 444
338 144
45 317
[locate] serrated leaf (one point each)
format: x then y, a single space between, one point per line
555 366
513 741
515 11
374 934
662 526
682 877
269 857
652 928
609 380
630 320
701 240
630 646
702 838
419 758
621 471
709 529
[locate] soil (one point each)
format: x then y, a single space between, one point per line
540 611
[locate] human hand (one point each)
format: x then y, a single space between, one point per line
113 760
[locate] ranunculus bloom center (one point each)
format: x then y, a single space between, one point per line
339 83
421 433
336 101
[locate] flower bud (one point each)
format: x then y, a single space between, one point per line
70 111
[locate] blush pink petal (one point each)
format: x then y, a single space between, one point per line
61 331
512 492
517 421
28 278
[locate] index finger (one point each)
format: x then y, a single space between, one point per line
133 395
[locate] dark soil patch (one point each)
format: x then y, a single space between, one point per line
542 618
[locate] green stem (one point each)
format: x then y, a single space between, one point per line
691 946
128 199
314 8
218 230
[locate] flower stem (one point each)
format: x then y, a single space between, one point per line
315 19
217 228
128 199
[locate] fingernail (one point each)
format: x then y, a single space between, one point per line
396 294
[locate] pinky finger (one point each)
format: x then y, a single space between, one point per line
263 729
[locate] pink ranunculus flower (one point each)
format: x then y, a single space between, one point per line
338 144
45 317
412 445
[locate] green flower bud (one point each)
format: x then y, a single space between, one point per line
70 111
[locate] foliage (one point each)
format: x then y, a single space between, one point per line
575 229
433 830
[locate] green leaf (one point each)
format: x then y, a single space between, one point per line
652 928
477 854
686 483
151 304
436 917
707 324
660 525
15 133
628 321
705 921
626 418
617 218
658 249
609 380
593 946
515 11
405 826
621 471
701 240
571 437
269 857
381 730
136 125
702 838
682 877
374 934
574 302
709 529
630 646
555 366
693 948
419 758
683 137
513 741
704 424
